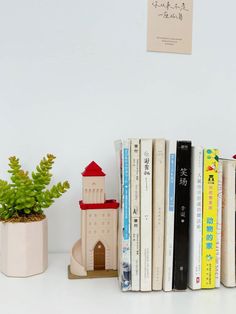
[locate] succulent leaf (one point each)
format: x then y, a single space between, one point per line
26 194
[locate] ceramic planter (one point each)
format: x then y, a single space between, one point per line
23 248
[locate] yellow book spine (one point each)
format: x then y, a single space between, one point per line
209 223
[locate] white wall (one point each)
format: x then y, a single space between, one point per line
75 75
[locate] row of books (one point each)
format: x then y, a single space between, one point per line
177 216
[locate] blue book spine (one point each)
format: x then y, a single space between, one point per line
126 252
126 195
172 182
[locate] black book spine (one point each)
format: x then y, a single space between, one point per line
182 207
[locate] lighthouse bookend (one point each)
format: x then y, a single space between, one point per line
95 254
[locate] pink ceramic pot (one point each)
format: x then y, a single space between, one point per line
23 248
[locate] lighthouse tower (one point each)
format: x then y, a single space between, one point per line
97 249
93 184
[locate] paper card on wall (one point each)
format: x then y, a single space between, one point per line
170 26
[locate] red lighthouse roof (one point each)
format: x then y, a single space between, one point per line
93 170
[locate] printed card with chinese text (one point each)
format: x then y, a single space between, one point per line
170 26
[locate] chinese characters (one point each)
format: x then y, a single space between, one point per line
183 177
171 9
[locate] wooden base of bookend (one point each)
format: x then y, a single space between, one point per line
94 274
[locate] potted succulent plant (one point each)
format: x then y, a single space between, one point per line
23 224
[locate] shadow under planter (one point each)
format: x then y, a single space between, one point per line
23 248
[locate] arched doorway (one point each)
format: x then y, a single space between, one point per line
99 256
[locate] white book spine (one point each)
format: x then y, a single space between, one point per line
228 225
169 215
158 212
135 214
195 219
146 214
219 222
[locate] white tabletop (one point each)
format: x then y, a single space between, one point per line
52 292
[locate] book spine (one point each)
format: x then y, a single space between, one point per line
146 214
195 220
118 152
228 225
219 223
209 227
182 205
126 262
135 214
169 215
158 212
